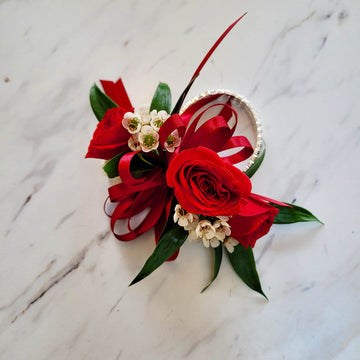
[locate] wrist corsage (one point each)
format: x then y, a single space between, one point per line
174 171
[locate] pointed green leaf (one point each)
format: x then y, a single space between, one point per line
293 214
170 242
162 98
218 251
170 220
112 166
242 261
100 102
254 167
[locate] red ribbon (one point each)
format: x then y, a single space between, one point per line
116 91
268 200
218 41
149 192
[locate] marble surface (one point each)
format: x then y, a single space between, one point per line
64 278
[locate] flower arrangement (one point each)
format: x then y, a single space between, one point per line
173 176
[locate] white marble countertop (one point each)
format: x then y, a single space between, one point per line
63 276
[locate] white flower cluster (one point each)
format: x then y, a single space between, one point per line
144 128
211 234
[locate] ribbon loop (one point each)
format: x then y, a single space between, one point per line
214 132
241 155
133 200
124 169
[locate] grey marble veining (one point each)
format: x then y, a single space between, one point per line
64 278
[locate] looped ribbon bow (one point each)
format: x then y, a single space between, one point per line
214 133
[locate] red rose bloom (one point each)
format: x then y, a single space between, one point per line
204 184
110 138
253 222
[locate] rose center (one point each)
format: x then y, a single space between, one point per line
208 187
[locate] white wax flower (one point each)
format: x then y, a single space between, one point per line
205 230
184 218
222 229
224 218
193 224
229 243
172 141
132 122
158 118
214 242
148 138
134 143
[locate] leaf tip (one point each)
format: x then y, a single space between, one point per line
204 289
93 88
136 280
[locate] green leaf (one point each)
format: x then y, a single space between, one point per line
242 261
218 251
112 166
162 98
168 244
293 214
100 102
170 220
254 167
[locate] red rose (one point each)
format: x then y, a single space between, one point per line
204 184
253 222
110 137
